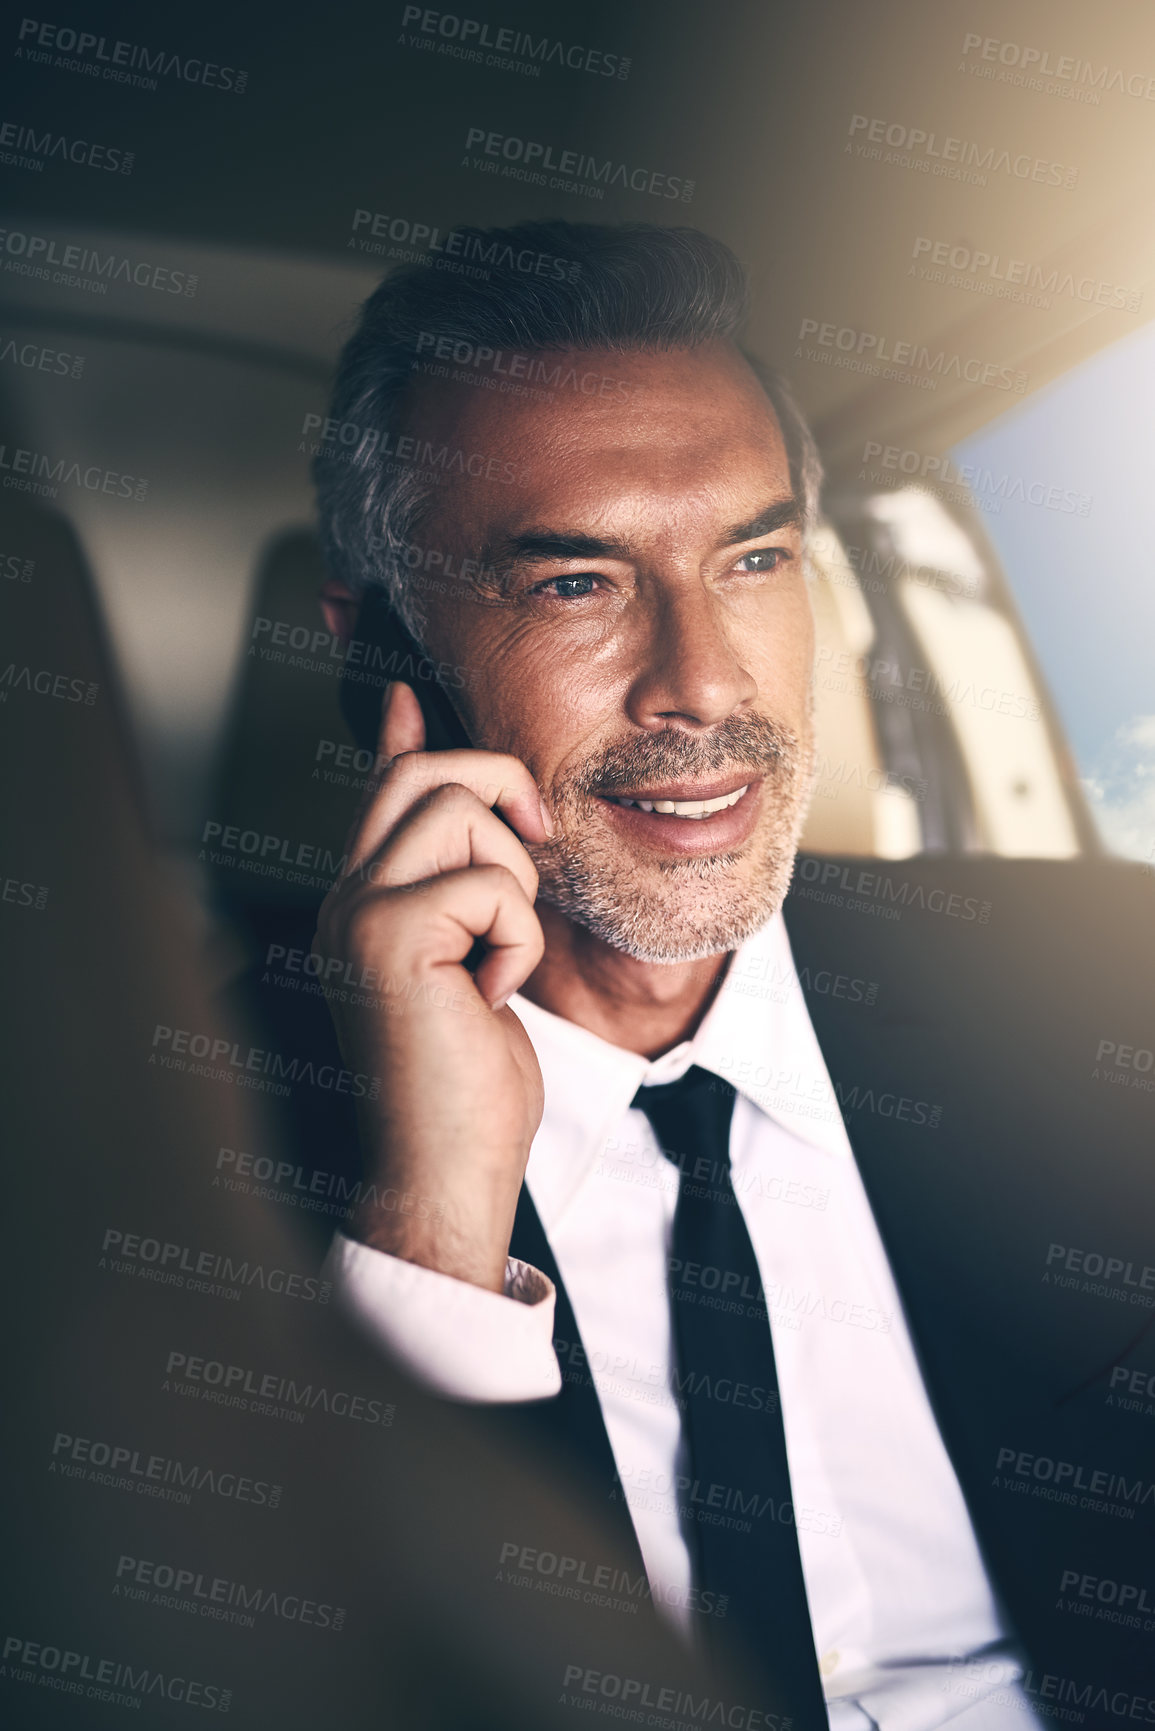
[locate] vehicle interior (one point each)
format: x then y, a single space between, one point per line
938 728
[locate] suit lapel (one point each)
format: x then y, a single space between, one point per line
984 1141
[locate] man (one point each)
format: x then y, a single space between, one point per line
630 1181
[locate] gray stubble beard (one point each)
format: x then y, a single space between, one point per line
586 877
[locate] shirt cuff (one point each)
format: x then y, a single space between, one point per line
456 1339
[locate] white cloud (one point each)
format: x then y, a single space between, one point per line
1121 790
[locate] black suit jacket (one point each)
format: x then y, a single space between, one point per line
988 1027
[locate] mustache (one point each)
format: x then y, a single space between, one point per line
746 742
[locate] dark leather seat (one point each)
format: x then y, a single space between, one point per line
150 1410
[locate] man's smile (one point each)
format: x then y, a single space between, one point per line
687 818
681 799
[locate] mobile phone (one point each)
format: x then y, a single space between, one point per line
387 651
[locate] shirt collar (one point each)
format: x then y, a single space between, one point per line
756 1034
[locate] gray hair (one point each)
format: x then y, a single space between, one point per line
616 288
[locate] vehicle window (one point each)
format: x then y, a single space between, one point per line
1063 486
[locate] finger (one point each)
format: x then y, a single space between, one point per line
483 902
398 724
402 723
497 780
446 831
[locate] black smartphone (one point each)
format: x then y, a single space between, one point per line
386 650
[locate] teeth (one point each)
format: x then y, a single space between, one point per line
686 807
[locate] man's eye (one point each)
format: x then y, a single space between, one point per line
567 588
765 559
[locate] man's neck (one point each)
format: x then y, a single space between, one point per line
645 1007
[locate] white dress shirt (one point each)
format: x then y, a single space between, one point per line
905 1623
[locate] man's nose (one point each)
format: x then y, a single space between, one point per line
689 665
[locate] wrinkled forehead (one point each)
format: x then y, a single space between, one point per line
642 434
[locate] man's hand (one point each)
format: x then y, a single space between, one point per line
430 870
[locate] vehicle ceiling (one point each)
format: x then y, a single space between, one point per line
752 101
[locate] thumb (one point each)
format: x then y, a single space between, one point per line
402 723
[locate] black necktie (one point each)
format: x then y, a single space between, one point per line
738 1514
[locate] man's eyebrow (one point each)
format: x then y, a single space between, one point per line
545 543
783 514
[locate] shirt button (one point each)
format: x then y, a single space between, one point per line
828 1663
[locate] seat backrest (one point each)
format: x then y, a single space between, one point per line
288 780
150 1292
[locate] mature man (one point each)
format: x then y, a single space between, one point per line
638 1209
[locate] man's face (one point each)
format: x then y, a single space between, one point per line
644 636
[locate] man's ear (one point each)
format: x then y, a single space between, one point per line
339 606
